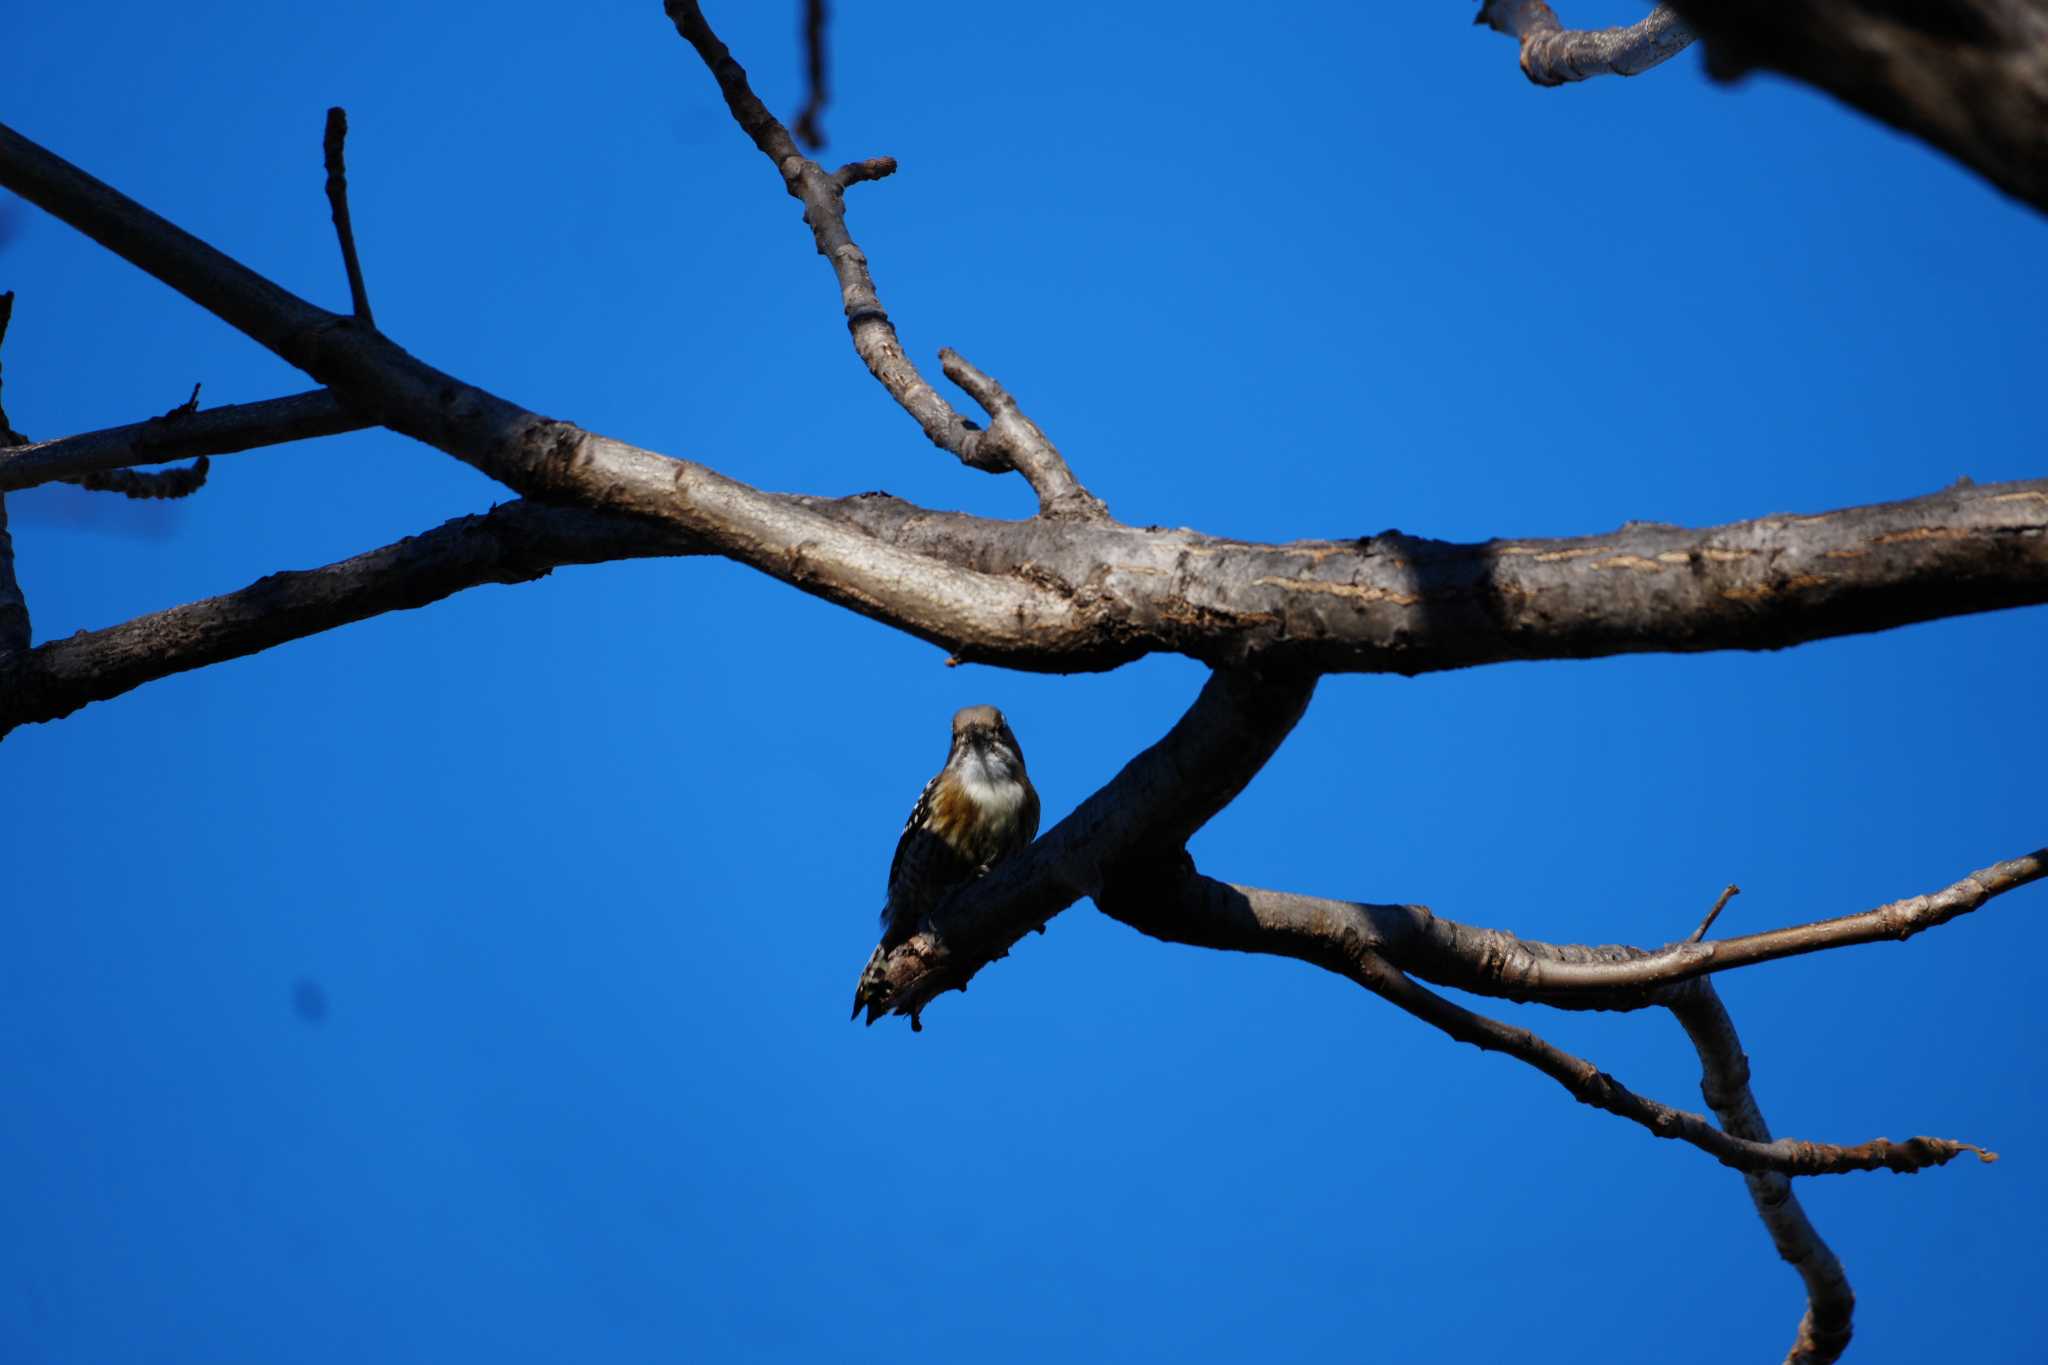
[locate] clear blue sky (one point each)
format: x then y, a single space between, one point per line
584 869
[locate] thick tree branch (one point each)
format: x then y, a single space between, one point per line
1824 1329
1062 595
1553 54
1010 442
1155 803
179 435
510 544
1969 77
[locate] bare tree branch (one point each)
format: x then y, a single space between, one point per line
1728 893
140 483
1824 1329
514 543
179 435
15 629
332 144
1010 443
1176 903
1167 899
1154 804
809 130
1553 54
1969 77
1061 595
1589 1085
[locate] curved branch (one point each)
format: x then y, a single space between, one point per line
1156 802
1008 443
1064 595
1177 904
1553 54
1724 1082
1167 899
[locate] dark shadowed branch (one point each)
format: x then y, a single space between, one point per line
1154 804
1553 54
333 144
15 631
809 129
1969 77
148 483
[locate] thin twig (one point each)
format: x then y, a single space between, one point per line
854 172
1590 1085
1825 1327
1496 963
808 129
337 201
1168 899
1554 55
179 435
1728 893
1006 446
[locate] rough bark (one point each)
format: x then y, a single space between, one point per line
1554 55
1969 77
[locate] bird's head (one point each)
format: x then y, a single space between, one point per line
981 733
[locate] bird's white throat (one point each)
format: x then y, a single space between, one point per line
991 785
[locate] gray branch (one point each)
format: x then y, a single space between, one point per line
1166 898
514 543
1063 594
179 436
1824 1328
1554 55
1011 442
1179 905
1968 77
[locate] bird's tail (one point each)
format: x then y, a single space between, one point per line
872 994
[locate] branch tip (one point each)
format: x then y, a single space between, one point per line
1727 893
332 143
873 168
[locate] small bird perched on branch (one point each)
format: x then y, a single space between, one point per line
978 810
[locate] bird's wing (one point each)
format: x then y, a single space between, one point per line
1027 820
918 814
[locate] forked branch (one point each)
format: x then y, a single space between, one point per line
1012 442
